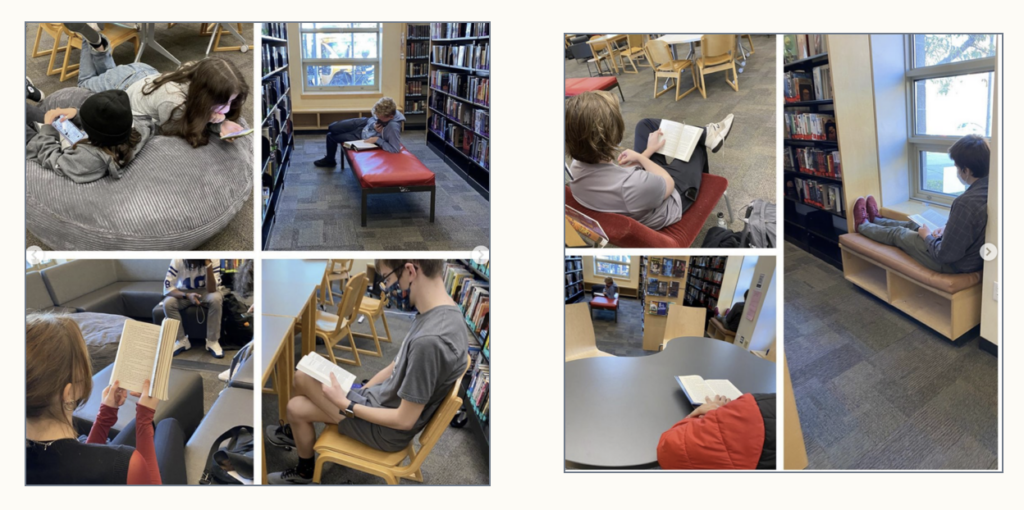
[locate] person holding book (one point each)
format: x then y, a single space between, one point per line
195 282
723 434
610 289
396 404
955 247
383 129
58 380
638 183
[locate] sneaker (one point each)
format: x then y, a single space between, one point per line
90 32
325 163
872 207
280 435
289 477
717 132
860 213
31 92
213 347
181 346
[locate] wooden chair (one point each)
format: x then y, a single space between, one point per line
660 57
718 53
683 321
718 330
336 448
749 40
371 308
580 342
337 270
207 29
333 328
634 49
601 54
116 35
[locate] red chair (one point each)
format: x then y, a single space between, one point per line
577 86
605 303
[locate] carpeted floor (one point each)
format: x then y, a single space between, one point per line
623 338
185 43
460 456
320 207
747 159
875 389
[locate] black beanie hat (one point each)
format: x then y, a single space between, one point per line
107 117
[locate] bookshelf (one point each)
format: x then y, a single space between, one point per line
469 284
458 115
573 279
277 127
704 281
662 284
815 208
416 64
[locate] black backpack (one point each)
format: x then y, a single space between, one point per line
236 324
232 451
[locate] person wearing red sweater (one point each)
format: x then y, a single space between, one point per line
58 381
723 434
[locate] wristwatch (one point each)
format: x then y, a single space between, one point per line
350 411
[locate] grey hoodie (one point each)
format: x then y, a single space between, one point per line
391 139
83 163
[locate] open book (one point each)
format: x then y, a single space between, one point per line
697 389
680 140
929 218
319 368
145 352
360 145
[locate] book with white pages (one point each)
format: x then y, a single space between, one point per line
145 352
680 140
929 218
320 368
698 389
360 145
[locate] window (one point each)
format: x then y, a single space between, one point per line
616 266
340 57
949 87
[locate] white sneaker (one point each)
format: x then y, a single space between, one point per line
214 349
716 133
181 346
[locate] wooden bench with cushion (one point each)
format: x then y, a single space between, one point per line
380 171
948 303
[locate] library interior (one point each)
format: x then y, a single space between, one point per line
408 107
711 95
891 317
654 335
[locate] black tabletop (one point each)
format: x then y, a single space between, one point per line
616 408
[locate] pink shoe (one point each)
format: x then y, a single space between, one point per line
872 208
860 213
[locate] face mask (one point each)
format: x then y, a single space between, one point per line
960 178
398 297
222 109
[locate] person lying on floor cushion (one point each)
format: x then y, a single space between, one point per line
396 404
956 247
723 434
384 129
638 183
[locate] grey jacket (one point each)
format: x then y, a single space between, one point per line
391 139
83 163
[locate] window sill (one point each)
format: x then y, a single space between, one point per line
902 210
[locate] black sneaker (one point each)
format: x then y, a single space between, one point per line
325 163
32 93
290 476
90 34
281 436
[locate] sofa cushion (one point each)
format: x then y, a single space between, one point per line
105 300
577 86
604 303
77 278
898 260
149 270
382 169
102 333
37 298
232 408
139 298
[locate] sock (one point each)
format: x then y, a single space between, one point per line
306 467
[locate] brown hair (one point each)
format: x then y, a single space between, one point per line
608 280
384 107
593 127
123 153
55 356
971 152
211 82
429 267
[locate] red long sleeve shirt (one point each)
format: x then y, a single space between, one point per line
143 468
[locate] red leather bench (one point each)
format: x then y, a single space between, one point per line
605 303
380 171
577 86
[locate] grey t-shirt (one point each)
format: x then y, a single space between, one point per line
429 362
633 192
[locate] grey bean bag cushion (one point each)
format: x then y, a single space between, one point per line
172 197
102 333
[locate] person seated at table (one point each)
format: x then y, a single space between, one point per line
58 380
610 289
394 405
731 321
195 282
956 247
637 183
723 434
383 129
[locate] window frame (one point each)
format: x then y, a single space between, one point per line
348 89
603 258
919 144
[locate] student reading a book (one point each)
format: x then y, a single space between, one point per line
640 183
956 246
723 434
732 319
195 282
383 129
610 289
58 380
397 403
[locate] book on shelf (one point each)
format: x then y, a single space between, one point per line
816 44
588 228
673 289
818 162
145 352
653 287
929 218
823 195
789 47
666 267
810 126
654 264
698 390
360 145
658 308
680 140
459 30
479 390
418 31
320 368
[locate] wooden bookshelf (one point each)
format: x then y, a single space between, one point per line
415 62
277 127
458 112
574 287
651 279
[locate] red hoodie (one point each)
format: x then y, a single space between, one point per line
729 437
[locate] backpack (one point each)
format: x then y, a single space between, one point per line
235 328
758 231
232 451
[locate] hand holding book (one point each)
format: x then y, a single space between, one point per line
335 393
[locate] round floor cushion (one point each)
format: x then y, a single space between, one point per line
171 197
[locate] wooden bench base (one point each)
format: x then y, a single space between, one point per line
951 315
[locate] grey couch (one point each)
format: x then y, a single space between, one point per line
131 288
233 407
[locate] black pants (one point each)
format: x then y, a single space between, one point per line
169 443
685 174
348 130
33 114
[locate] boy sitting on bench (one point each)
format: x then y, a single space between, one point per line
384 129
955 248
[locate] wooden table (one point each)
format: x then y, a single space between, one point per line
609 40
289 290
673 39
277 358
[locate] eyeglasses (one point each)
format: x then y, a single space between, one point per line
384 280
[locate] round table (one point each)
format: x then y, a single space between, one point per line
616 408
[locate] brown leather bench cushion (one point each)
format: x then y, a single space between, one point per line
898 260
